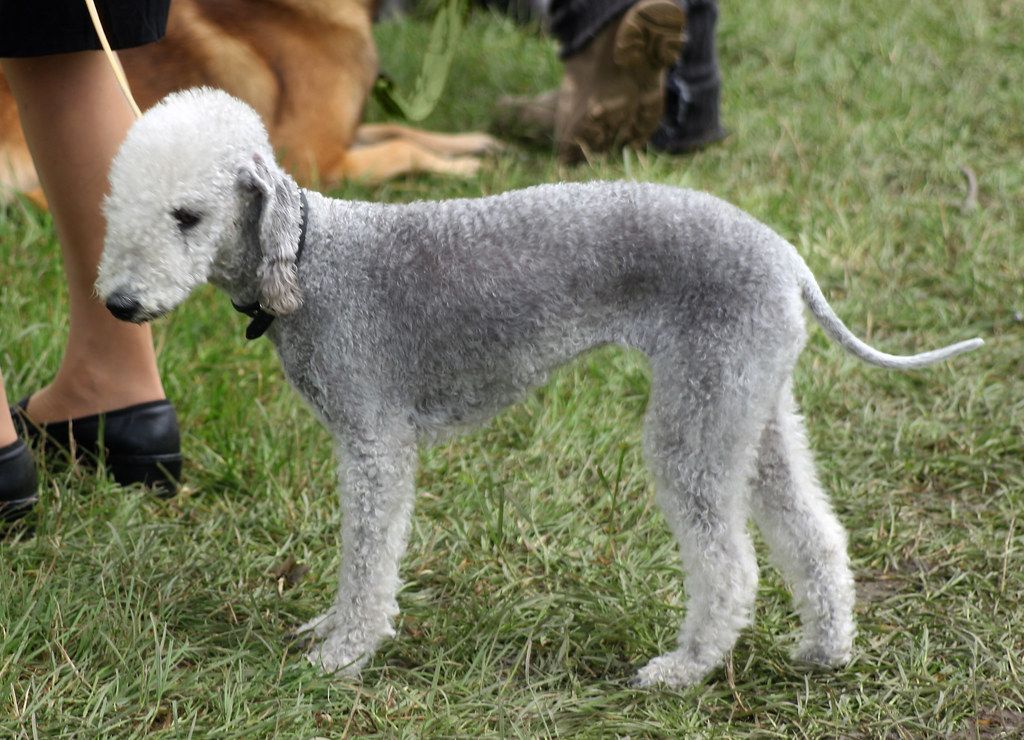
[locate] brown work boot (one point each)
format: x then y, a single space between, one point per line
529 119
612 94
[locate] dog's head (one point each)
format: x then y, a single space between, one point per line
196 196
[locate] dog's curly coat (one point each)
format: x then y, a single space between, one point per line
404 321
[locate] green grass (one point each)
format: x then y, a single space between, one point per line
539 574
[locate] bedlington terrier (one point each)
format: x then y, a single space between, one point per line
397 323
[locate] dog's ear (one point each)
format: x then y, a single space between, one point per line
276 211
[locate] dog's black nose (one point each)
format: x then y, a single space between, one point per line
123 307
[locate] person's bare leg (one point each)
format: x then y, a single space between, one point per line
75 118
7 435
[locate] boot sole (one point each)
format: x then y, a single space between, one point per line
161 473
650 35
12 511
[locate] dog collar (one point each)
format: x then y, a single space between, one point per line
261 320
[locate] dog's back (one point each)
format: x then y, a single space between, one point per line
476 300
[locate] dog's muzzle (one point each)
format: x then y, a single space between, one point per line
125 308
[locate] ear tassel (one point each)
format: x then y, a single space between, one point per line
279 291
279 286
278 272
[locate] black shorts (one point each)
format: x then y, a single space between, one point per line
30 28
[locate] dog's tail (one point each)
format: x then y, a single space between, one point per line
836 329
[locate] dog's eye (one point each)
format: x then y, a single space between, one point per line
185 218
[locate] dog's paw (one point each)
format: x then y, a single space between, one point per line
340 652
817 655
316 628
481 143
341 642
461 166
340 662
673 670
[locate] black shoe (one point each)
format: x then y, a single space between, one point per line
140 444
18 484
691 119
693 88
671 140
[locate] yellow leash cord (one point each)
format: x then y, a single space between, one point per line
115 63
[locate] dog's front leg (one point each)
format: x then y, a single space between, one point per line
376 472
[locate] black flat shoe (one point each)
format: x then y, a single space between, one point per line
140 444
19 488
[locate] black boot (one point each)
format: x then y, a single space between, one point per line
137 444
18 483
693 87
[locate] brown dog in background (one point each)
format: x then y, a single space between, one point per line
306 66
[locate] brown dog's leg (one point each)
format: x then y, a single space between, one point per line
379 162
447 145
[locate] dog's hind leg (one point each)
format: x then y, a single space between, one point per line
807 542
377 470
700 436
376 163
445 145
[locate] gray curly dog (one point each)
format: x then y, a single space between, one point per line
397 323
